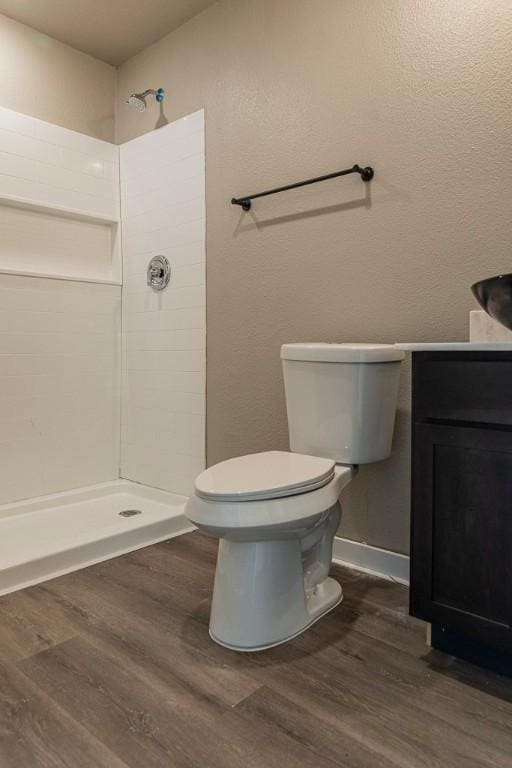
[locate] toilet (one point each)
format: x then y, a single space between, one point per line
276 513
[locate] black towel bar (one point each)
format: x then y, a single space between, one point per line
366 174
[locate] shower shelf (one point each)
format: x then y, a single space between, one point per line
78 278
60 210
51 240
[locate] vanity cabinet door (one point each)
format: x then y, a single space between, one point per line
461 559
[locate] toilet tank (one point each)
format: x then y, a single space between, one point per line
341 399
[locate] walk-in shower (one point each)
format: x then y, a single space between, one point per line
102 375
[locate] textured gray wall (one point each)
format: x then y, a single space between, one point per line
294 88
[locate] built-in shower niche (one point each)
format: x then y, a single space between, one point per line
59 202
43 242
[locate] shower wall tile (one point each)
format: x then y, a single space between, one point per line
48 164
59 381
164 334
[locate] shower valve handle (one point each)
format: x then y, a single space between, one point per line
159 273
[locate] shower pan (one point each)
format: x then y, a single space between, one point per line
47 537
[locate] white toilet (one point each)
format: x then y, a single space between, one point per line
276 513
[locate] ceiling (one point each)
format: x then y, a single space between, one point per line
110 30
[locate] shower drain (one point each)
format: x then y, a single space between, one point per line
130 512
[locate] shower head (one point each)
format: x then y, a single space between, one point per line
138 100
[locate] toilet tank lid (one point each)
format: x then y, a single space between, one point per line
342 353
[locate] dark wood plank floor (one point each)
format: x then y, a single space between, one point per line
113 667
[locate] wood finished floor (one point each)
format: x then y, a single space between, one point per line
113 667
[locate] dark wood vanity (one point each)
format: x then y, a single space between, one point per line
461 535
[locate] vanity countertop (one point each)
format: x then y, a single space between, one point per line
456 346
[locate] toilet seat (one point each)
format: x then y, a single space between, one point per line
264 476
235 519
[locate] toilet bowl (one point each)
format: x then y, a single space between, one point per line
276 513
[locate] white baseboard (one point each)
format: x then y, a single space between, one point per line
379 562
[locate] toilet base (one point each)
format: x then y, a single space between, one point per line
332 596
267 592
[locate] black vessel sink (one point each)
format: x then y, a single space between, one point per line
495 296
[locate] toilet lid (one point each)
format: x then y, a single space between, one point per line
264 476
